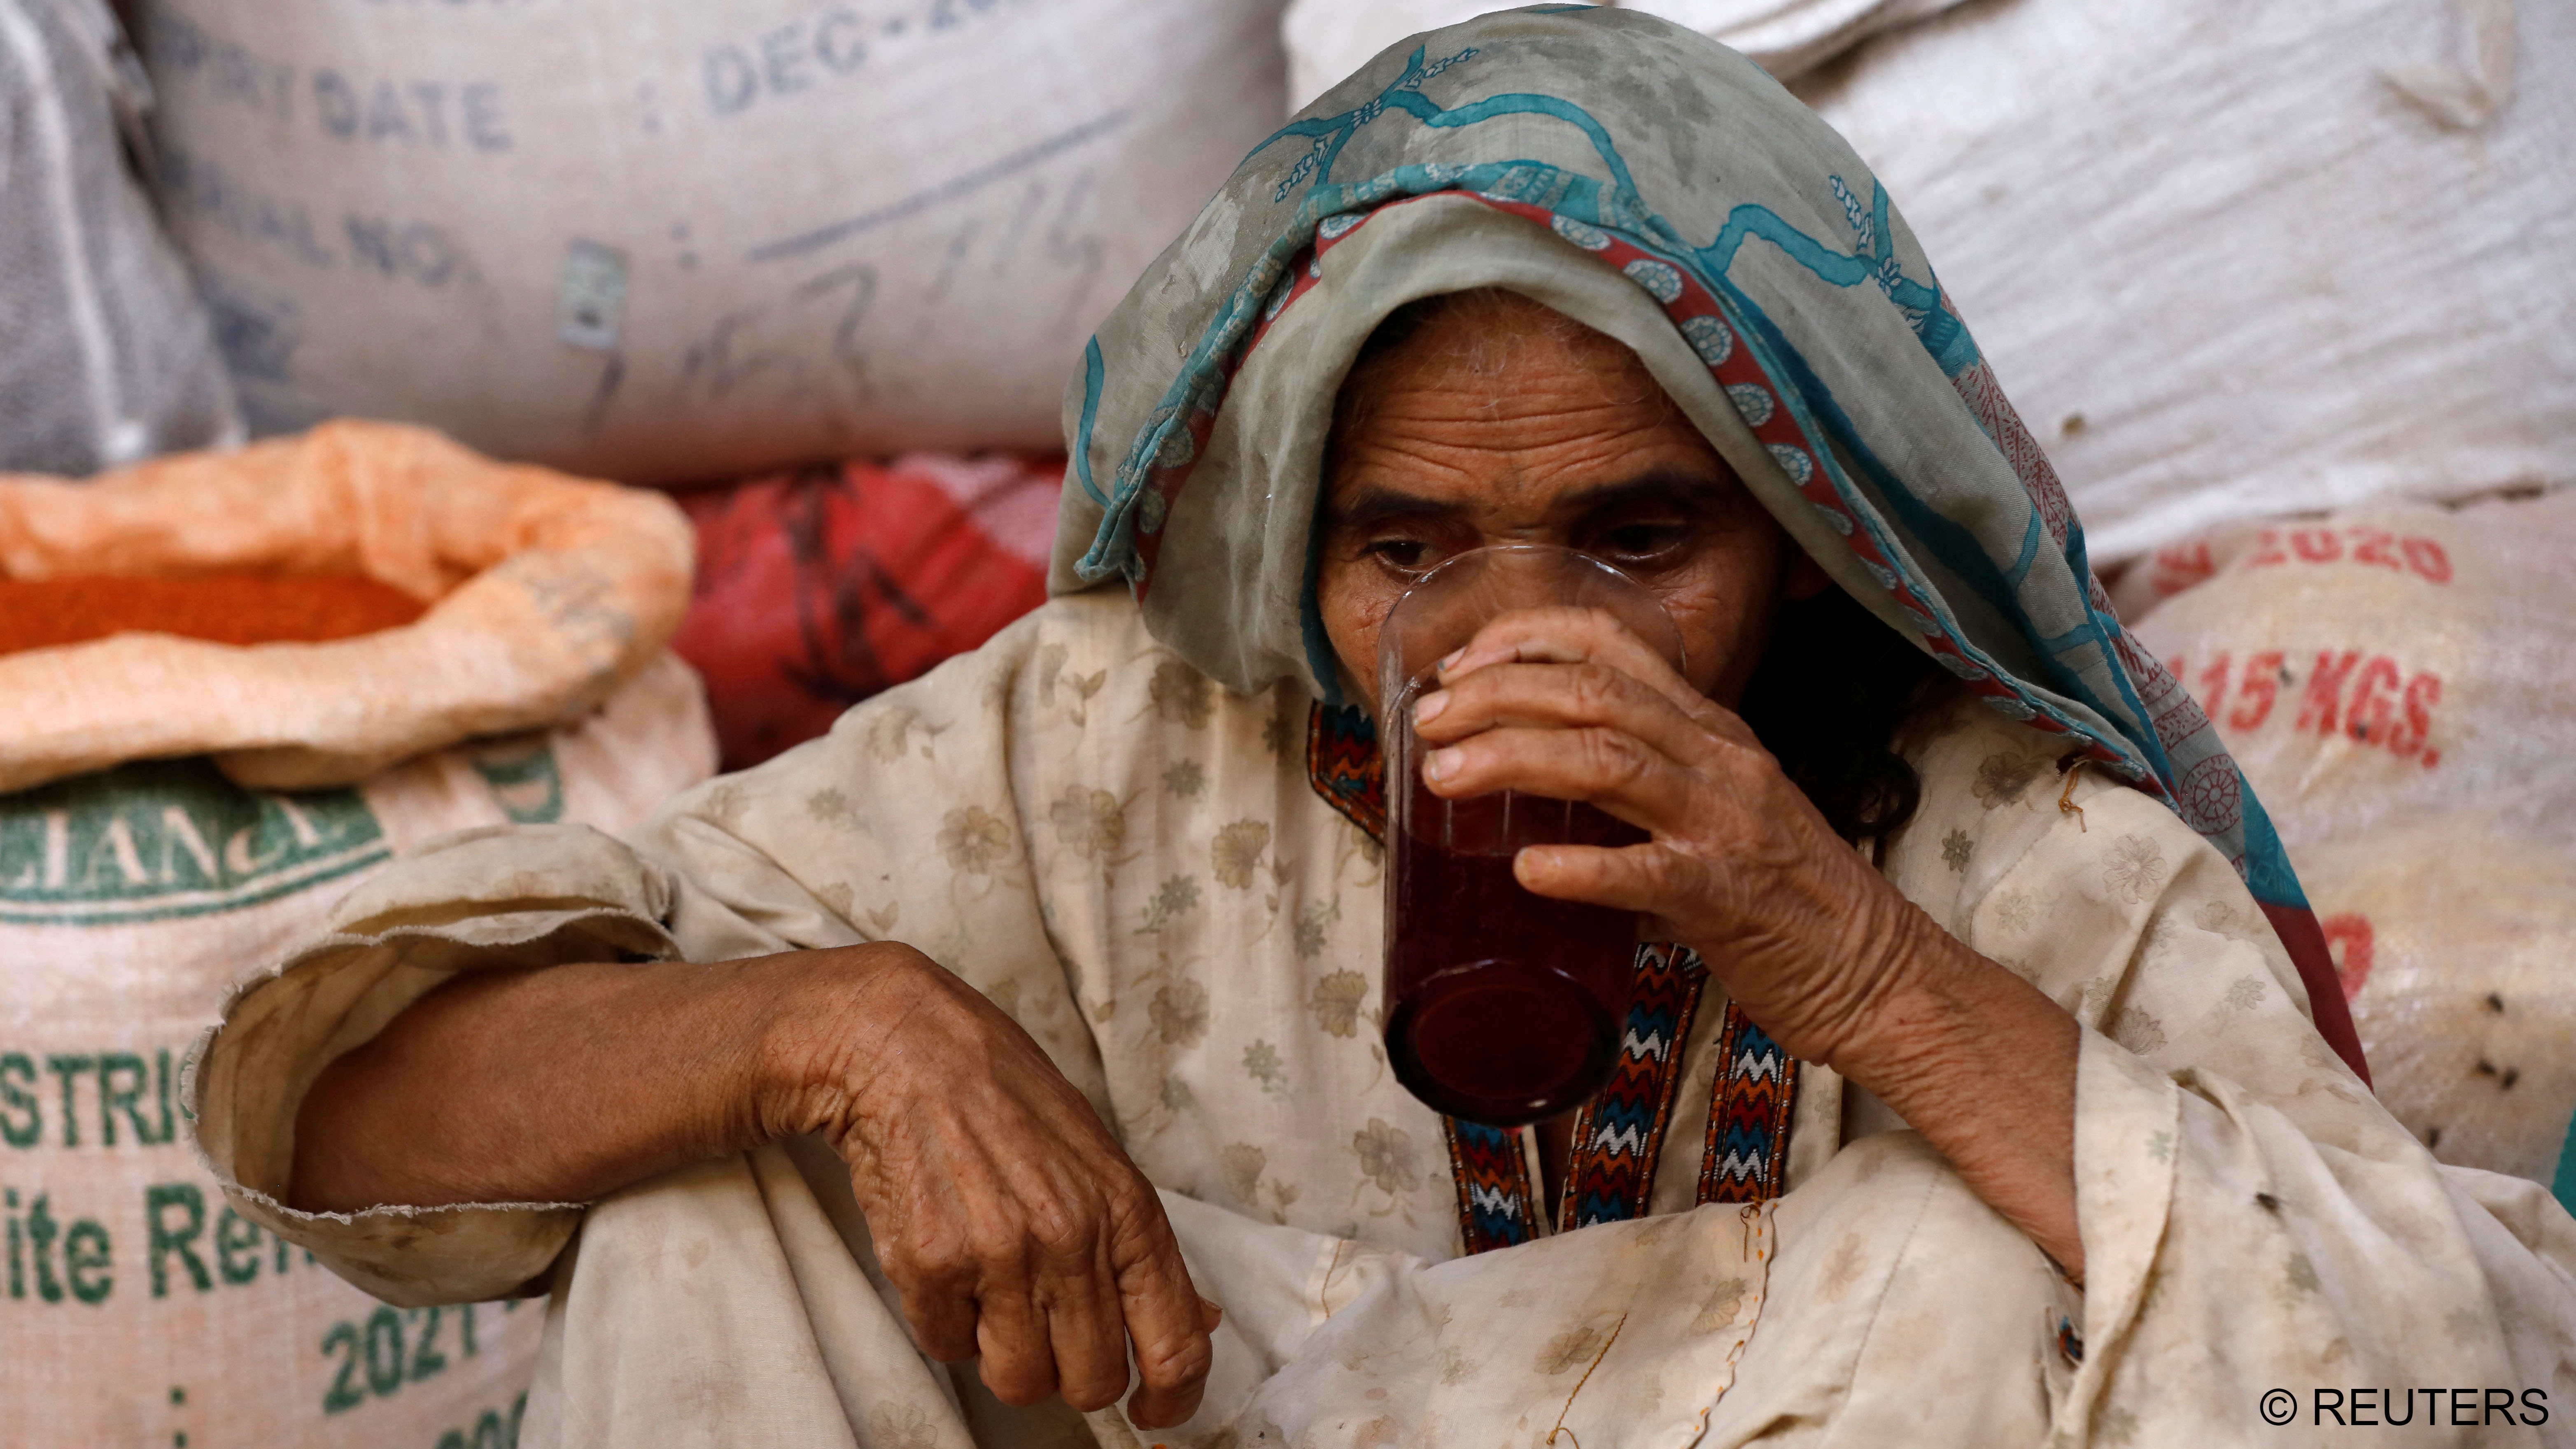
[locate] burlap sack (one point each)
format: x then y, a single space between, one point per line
135 1307
2457 944
2380 666
549 592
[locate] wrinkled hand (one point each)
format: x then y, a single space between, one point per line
1013 1225
1566 703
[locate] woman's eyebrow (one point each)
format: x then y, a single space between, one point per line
1377 504
1691 492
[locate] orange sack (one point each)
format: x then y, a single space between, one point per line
540 594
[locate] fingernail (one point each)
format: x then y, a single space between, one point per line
1442 764
1454 656
1428 708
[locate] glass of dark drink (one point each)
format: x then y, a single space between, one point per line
1503 1007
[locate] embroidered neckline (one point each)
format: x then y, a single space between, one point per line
1619 1135
1344 766
1747 1153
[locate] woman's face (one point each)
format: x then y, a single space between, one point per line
1501 422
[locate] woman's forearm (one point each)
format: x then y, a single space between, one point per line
559 1084
1983 1065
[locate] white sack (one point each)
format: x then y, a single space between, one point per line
105 354
669 239
2234 260
136 1307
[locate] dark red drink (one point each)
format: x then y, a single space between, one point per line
1503 1007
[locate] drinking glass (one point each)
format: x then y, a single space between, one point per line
1503 1007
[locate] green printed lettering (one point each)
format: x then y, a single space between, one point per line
426 1360
69 1068
343 1393
242 856
41 1231
527 784
164 1241
115 847
121 1080
85 1261
236 1247
384 1352
161 1086
490 1431
179 833
22 1120
466 1331
155 839
17 1249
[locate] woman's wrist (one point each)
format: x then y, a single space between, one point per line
823 1033
1983 1065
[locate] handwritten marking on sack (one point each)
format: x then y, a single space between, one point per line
2370 699
808 52
809 339
394 248
405 111
955 188
158 839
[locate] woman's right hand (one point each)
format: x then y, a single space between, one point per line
1010 1220
1003 1210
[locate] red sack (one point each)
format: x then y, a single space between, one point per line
820 587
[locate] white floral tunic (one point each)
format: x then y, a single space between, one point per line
1146 871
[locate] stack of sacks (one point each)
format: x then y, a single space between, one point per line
175 813
668 240
819 587
105 352
2399 684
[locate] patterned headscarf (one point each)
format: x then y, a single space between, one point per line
1663 190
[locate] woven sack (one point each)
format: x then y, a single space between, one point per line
137 1308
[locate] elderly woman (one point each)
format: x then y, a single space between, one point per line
1969 1011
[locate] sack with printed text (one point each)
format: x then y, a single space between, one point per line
670 240
181 812
2399 685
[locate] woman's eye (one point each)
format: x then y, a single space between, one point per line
1407 554
1643 540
